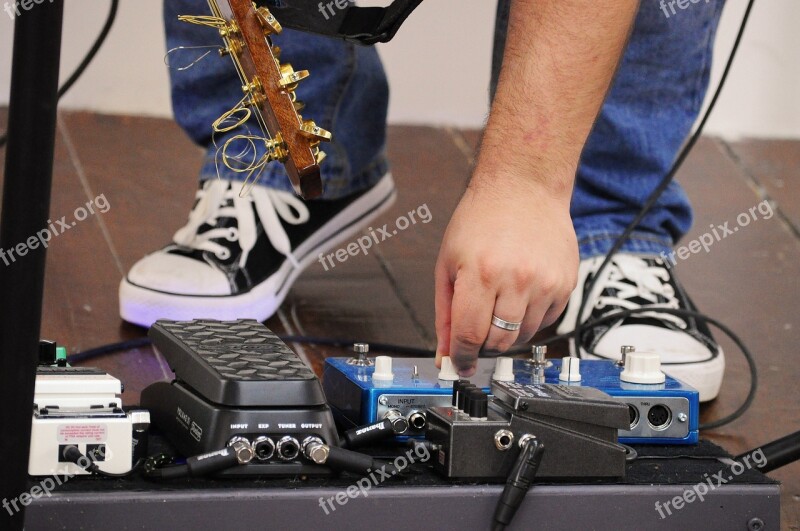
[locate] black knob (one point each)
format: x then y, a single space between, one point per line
478 405
473 396
462 395
457 386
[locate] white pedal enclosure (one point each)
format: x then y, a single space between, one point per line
81 407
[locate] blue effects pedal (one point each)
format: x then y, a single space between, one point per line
660 413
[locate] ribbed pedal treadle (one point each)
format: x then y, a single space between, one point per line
229 363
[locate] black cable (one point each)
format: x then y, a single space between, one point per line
109 348
98 43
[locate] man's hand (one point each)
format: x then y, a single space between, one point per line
510 249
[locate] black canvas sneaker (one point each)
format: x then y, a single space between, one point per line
687 348
237 257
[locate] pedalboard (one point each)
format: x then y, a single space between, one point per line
664 412
237 381
77 406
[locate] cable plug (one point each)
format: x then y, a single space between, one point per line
519 481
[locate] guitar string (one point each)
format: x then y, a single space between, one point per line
175 50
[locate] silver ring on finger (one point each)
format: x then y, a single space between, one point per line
505 325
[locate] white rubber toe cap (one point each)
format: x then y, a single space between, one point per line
673 346
175 274
682 356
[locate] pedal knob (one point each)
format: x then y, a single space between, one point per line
503 369
642 368
448 372
570 369
383 369
477 404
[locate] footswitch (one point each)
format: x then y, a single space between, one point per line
237 380
661 409
481 436
76 406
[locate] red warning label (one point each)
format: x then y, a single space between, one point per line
89 433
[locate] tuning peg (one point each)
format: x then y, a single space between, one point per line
277 148
319 155
290 78
255 90
312 130
276 52
298 105
268 21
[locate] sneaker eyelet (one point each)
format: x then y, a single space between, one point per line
233 234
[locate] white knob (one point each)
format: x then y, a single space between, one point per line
504 370
448 372
570 370
383 369
642 368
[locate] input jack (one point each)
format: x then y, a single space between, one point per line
417 420
399 422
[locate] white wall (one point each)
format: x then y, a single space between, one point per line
437 77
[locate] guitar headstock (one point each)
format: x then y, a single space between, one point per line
269 88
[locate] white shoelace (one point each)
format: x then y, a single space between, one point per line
213 202
631 277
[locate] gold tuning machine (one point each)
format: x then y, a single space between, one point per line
277 149
290 78
315 132
268 21
255 90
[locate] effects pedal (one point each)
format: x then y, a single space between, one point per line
237 381
481 436
662 410
77 406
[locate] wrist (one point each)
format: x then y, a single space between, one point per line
530 181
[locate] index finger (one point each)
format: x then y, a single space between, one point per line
471 317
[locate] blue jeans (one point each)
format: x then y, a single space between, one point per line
655 98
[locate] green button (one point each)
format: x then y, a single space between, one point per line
61 353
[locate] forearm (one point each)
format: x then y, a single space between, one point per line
559 61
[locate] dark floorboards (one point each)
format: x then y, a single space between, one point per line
145 169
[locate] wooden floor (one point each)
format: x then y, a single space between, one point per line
146 170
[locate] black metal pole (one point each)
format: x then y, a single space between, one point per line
26 206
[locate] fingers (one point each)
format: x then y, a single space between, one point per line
471 316
443 288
